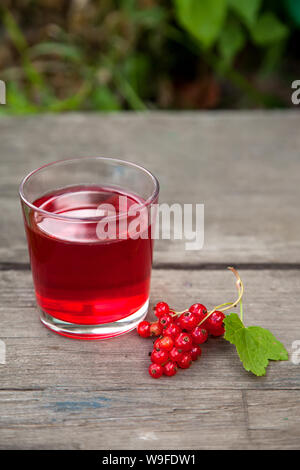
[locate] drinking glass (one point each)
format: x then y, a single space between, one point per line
90 283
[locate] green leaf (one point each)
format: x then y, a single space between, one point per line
128 5
150 17
293 9
255 345
268 30
203 19
17 37
137 69
15 33
231 41
65 51
247 10
17 101
103 99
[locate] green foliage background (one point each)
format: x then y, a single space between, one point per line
108 55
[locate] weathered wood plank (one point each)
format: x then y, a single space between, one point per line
58 418
274 418
243 166
127 419
35 356
121 419
274 410
61 393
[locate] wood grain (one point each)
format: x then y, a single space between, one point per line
274 418
73 419
101 392
243 166
121 419
60 393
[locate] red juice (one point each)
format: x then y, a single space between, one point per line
79 278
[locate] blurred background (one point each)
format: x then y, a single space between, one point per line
109 55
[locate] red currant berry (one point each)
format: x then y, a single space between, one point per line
218 331
170 368
166 343
184 342
155 370
185 361
161 308
199 310
156 329
156 344
188 321
172 330
195 352
143 329
175 355
199 335
165 320
215 323
159 357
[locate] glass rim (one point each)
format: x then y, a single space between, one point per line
147 202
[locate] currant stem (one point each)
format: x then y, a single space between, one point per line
240 288
176 313
225 306
222 307
241 310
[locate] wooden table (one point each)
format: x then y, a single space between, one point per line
61 393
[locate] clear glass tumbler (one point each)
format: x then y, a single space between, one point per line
90 254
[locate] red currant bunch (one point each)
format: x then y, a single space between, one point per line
179 335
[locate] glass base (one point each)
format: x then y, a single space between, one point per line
103 331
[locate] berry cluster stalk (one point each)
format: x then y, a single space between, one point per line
228 305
